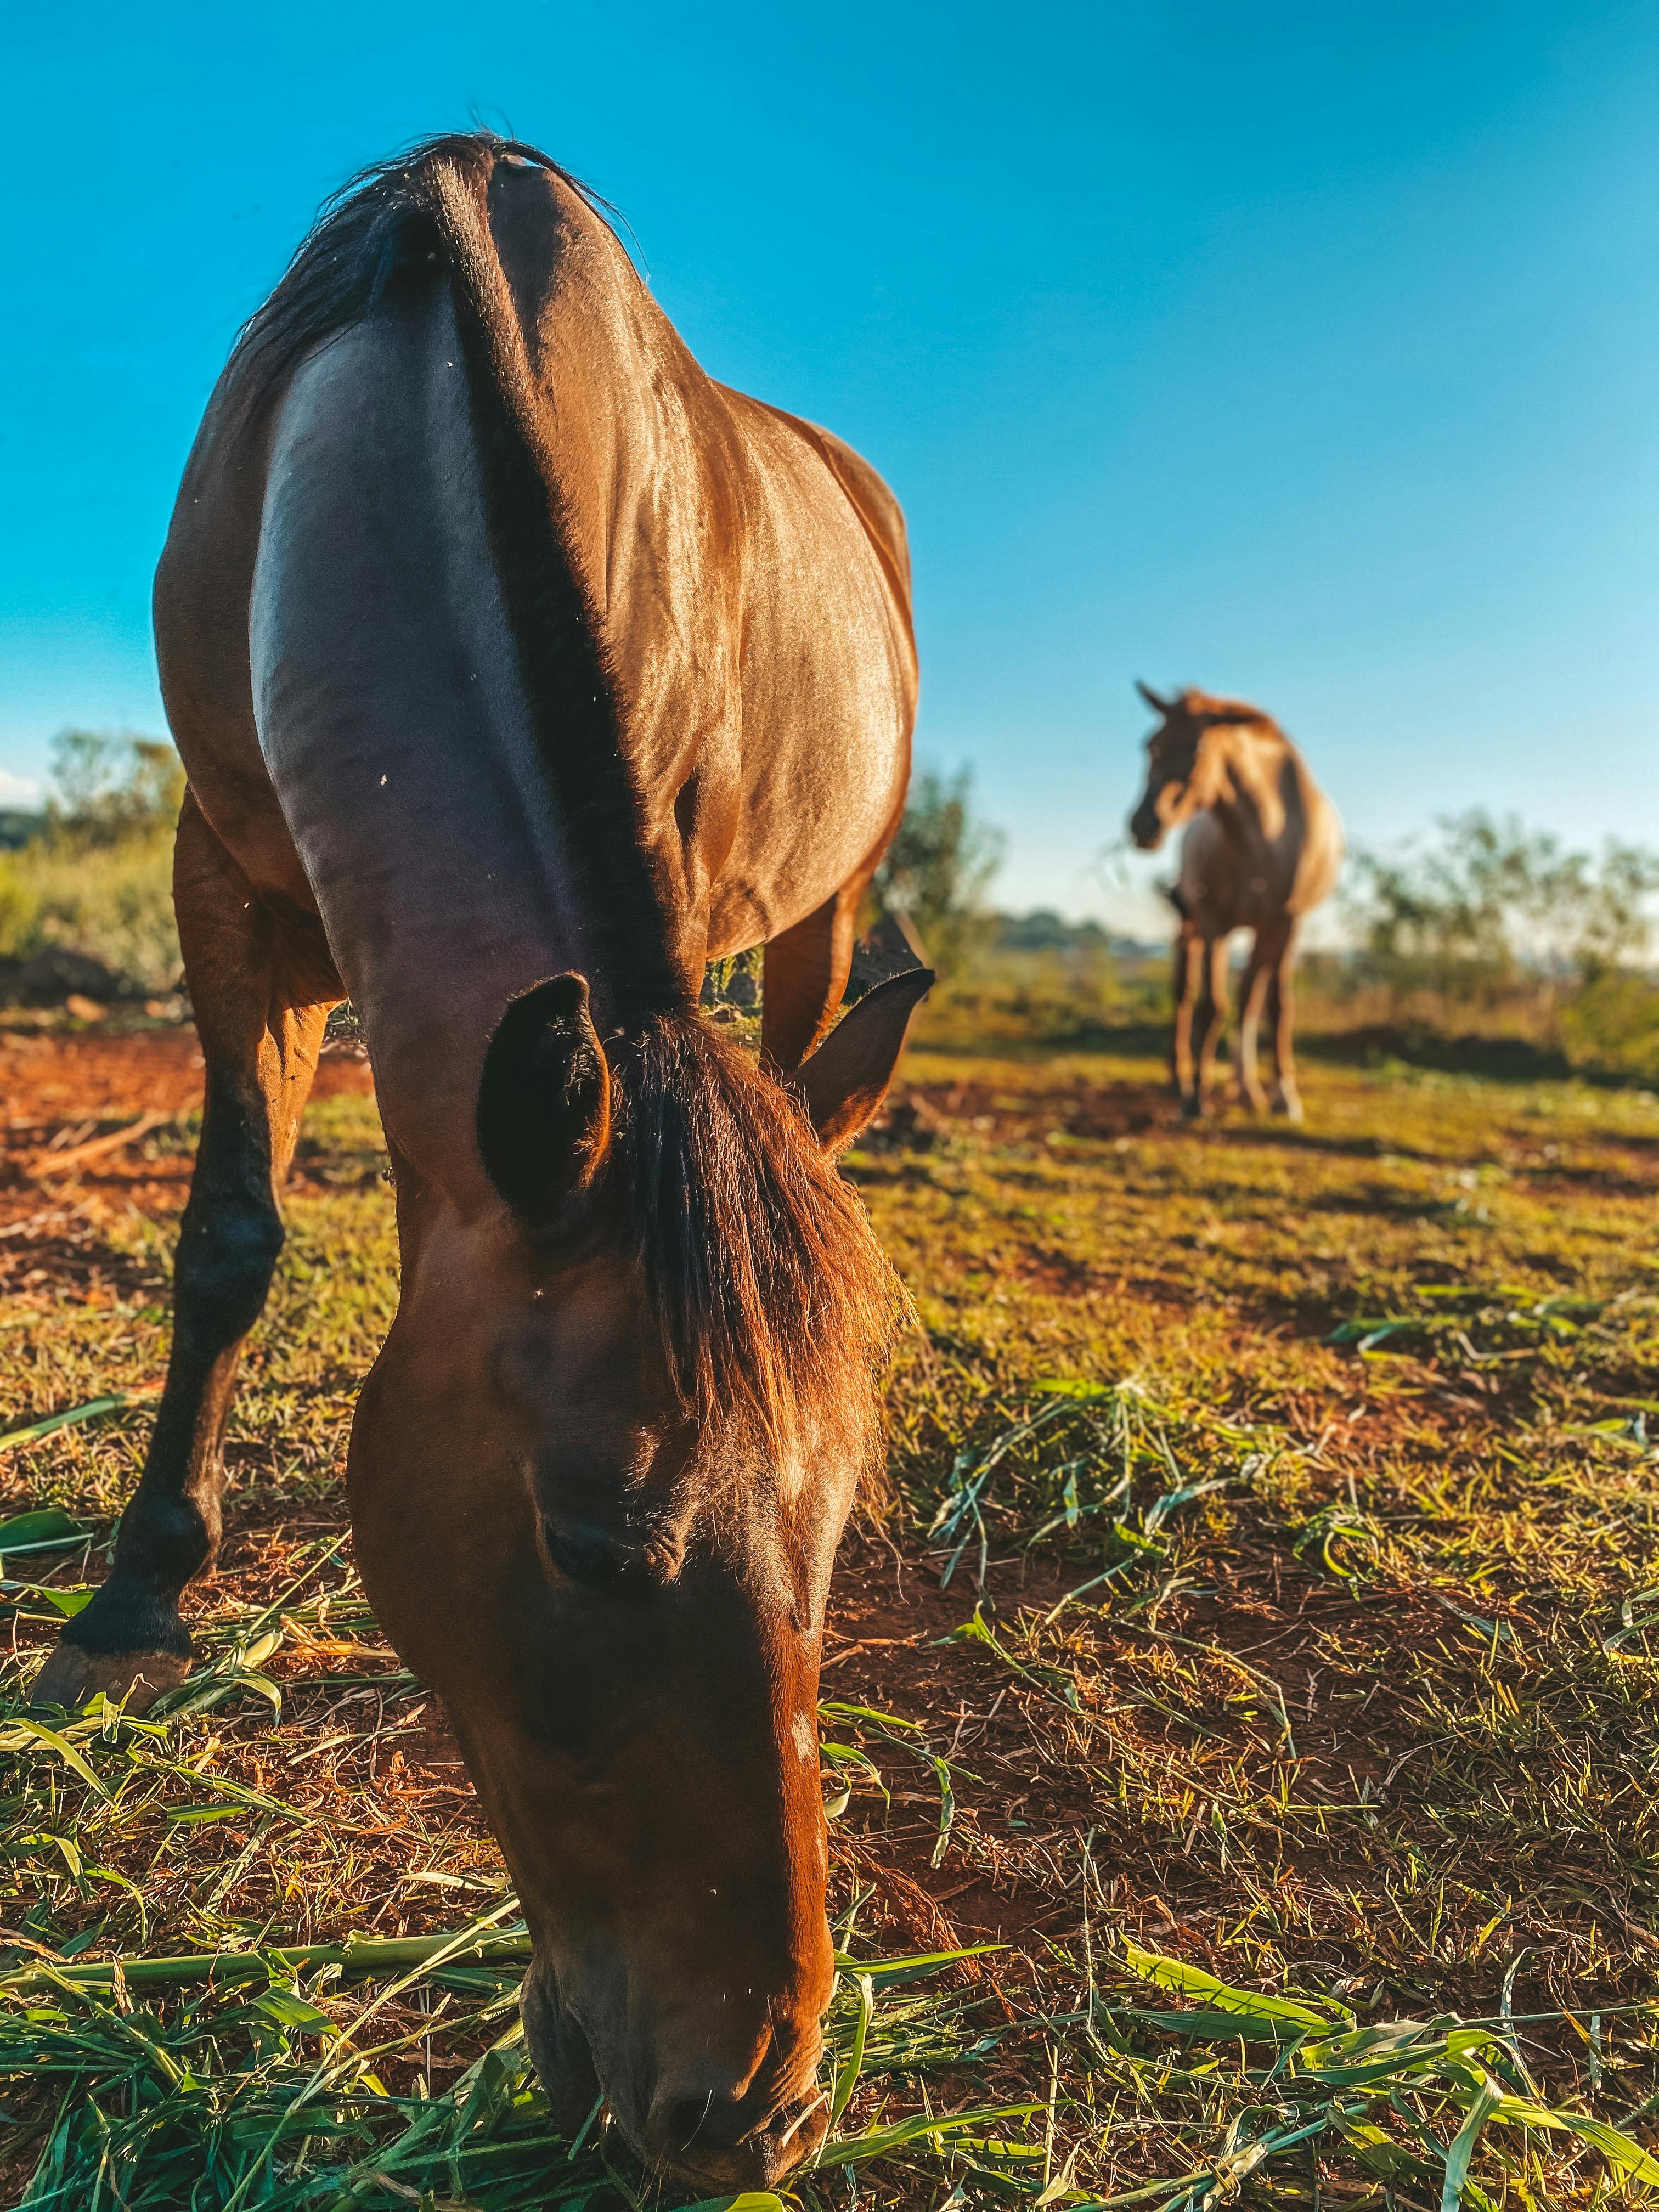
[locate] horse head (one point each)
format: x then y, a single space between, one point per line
1187 765
617 1429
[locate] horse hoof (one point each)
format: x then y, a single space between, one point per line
134 1679
1290 1107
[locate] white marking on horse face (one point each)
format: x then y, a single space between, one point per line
806 1735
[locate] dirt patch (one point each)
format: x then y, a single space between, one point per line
62 1093
48 1080
1000 1115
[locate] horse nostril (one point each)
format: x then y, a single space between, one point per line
677 2123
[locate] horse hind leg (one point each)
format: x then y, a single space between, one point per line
1212 1020
1261 974
261 1021
1281 1016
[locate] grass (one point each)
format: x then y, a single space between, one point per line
1257 1654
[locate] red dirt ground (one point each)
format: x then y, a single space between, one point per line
888 1610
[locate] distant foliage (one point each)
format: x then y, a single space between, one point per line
1493 900
1494 915
1044 930
97 878
109 790
940 868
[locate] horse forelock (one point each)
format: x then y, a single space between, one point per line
774 1303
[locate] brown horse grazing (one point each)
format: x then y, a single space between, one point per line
1263 848
518 668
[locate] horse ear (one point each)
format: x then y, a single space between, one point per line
1158 706
845 1080
544 1100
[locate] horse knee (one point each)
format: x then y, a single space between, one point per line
227 1253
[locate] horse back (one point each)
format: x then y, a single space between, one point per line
1234 875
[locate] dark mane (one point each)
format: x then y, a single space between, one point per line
1203 707
772 1298
379 228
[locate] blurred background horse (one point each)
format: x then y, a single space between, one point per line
1263 848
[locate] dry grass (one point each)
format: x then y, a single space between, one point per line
1266 1590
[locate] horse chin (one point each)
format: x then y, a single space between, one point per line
564 2062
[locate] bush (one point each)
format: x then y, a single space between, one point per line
110 791
1612 1024
97 880
1497 926
1494 903
939 867
19 910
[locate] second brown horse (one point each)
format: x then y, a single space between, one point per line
518 668
1263 847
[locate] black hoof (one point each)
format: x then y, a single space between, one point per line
136 1679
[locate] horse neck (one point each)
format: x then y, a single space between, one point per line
1265 801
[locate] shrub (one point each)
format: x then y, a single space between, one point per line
19 909
1499 928
940 865
110 791
1493 903
1612 1024
97 880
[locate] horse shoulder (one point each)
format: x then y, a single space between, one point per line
1207 877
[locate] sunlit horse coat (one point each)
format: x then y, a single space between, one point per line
518 668
1263 848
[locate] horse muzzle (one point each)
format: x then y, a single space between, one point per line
719 2141
721 2119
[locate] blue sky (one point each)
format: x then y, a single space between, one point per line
1300 351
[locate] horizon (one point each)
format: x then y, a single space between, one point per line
1304 360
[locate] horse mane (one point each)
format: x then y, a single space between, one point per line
378 231
1203 707
773 1301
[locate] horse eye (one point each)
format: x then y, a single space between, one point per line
583 1552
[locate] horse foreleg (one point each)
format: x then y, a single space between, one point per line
804 978
1281 1012
1214 1017
259 1048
